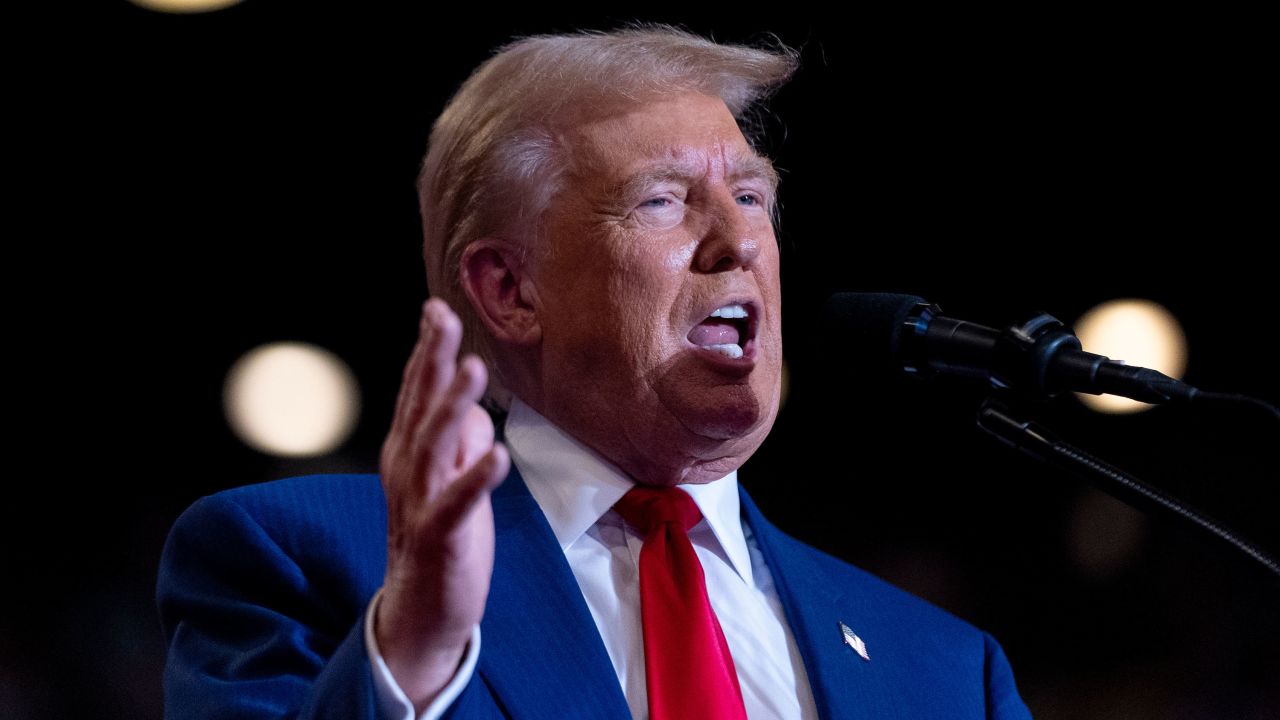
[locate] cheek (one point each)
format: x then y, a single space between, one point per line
645 287
651 261
679 258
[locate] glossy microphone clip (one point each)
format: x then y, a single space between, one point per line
1039 357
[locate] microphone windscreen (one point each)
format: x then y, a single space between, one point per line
862 332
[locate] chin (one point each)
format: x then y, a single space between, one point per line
730 414
714 432
718 414
724 423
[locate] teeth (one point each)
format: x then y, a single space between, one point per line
730 311
728 350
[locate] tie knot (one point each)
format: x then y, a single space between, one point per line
647 507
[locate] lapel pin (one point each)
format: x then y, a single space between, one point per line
852 640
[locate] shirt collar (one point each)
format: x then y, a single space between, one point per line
575 486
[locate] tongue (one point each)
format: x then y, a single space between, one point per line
714 331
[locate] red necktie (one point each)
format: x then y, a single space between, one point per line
688 669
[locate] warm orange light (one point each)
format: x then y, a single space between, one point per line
184 6
1138 332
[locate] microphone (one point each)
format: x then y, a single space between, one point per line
1040 357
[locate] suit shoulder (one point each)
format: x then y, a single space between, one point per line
311 502
320 525
312 492
892 603
923 647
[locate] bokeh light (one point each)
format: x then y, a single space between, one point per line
291 399
1105 536
1138 332
184 6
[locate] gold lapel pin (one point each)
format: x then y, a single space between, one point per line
852 640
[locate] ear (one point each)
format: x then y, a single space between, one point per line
496 282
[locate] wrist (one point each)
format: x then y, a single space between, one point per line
422 660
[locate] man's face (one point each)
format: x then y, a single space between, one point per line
663 221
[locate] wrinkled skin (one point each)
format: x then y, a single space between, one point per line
628 274
664 217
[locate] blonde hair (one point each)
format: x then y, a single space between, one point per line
494 162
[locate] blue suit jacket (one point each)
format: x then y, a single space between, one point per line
262 593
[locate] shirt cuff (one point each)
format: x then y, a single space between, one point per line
391 699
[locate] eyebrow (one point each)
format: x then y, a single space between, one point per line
742 167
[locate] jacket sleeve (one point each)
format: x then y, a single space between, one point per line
1003 701
249 636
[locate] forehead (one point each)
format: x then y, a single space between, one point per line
690 129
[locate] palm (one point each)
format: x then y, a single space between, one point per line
439 463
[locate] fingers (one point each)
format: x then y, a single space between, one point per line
441 350
438 463
439 430
437 441
456 501
477 437
431 366
412 368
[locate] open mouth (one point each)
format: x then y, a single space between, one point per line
729 330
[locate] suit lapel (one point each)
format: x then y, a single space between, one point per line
541 653
543 657
844 685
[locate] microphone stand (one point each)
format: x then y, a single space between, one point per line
1038 442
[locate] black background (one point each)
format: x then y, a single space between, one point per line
216 182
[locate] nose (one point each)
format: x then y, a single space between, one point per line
731 240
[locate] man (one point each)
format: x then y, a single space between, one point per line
594 213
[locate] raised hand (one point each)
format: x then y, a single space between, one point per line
439 463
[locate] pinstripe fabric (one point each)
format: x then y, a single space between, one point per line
262 591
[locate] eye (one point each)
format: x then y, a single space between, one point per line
749 199
656 202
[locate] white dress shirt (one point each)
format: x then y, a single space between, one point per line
576 488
